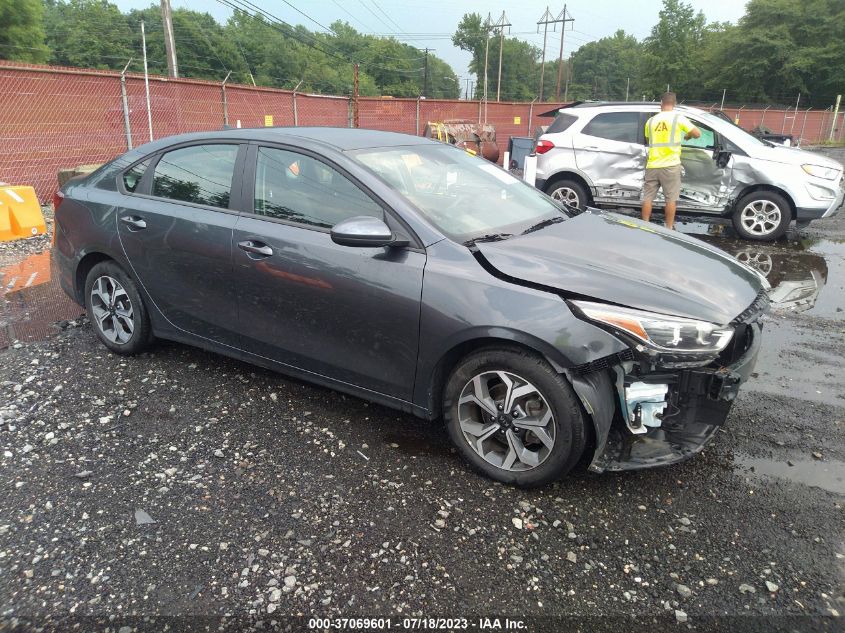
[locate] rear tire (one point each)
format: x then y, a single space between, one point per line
116 310
762 216
513 417
571 192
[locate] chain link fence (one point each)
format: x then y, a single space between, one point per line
57 118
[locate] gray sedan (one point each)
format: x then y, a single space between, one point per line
412 274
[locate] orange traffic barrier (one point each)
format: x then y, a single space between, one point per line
20 213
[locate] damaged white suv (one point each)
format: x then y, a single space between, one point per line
595 154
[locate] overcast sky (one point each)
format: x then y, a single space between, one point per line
431 23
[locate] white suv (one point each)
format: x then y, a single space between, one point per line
595 153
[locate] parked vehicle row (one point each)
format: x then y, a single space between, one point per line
409 273
595 154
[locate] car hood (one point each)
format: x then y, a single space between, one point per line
622 260
792 156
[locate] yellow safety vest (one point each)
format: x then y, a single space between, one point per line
665 132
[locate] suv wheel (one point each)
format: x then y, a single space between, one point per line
762 215
513 417
570 192
116 309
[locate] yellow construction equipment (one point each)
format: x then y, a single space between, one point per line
20 213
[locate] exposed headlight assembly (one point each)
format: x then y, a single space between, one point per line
819 171
662 333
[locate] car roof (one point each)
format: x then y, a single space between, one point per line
616 105
339 138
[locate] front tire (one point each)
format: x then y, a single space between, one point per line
116 310
762 216
570 192
513 417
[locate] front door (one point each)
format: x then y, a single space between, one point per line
705 186
611 150
351 314
175 227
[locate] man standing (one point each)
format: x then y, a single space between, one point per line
665 132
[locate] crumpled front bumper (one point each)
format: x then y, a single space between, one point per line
704 397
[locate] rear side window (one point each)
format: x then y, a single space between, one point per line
201 174
297 188
561 123
616 126
132 177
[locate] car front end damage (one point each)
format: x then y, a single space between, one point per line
651 408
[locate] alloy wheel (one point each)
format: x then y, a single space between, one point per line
506 420
567 196
761 217
112 310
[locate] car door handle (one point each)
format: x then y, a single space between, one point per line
134 222
256 248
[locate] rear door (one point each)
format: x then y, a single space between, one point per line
704 185
611 150
176 230
351 314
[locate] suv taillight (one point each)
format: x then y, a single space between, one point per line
543 146
58 198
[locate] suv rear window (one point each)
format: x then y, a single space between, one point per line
615 126
561 123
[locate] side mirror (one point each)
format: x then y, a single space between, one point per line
364 231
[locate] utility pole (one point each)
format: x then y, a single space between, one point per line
466 94
627 88
487 27
425 73
354 95
563 17
724 92
501 24
169 40
568 80
147 80
546 19
835 114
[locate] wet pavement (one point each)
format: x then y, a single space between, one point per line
272 497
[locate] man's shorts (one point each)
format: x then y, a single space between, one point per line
666 178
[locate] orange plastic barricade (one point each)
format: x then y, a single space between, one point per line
20 213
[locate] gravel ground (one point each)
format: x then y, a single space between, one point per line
187 487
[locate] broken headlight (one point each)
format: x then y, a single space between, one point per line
660 332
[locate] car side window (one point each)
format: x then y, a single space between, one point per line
297 188
201 174
132 176
707 140
615 126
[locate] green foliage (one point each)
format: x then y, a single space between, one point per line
671 49
95 34
520 71
22 31
602 69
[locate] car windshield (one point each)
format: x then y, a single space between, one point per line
466 197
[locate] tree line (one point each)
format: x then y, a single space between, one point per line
254 48
778 49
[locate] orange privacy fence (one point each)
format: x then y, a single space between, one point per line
53 118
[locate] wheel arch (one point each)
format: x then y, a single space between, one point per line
762 187
436 380
569 175
84 267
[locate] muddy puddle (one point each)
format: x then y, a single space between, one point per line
32 303
825 474
806 275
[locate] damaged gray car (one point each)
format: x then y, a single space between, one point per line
412 274
594 153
